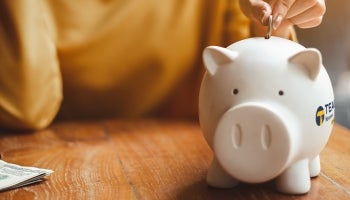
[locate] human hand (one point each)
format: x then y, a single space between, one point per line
302 13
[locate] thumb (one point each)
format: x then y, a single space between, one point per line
261 11
280 10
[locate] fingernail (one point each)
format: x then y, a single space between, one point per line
277 22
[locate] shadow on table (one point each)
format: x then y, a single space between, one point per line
200 190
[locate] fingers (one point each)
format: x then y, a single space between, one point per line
261 11
258 10
310 17
303 13
312 23
280 10
285 14
299 7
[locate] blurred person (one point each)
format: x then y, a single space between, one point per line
111 58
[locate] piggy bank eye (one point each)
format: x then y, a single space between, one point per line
281 93
235 91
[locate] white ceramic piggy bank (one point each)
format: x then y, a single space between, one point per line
266 108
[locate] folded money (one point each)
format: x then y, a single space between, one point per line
14 176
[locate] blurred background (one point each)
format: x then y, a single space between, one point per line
332 38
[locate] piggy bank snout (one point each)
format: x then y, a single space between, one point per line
253 142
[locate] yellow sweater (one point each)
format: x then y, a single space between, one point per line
107 58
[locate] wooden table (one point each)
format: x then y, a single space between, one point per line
147 159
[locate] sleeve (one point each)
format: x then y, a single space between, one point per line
30 80
220 23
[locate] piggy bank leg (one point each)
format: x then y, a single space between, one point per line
296 179
217 177
315 167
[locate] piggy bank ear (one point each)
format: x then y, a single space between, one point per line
310 60
214 57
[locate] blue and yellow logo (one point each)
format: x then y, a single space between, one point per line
325 113
320 113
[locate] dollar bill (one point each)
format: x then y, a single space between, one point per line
14 176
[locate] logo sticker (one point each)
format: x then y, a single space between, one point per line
320 116
325 113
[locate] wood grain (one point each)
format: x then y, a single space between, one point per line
147 159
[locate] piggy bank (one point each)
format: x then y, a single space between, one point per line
266 108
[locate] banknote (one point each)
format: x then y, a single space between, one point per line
14 176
